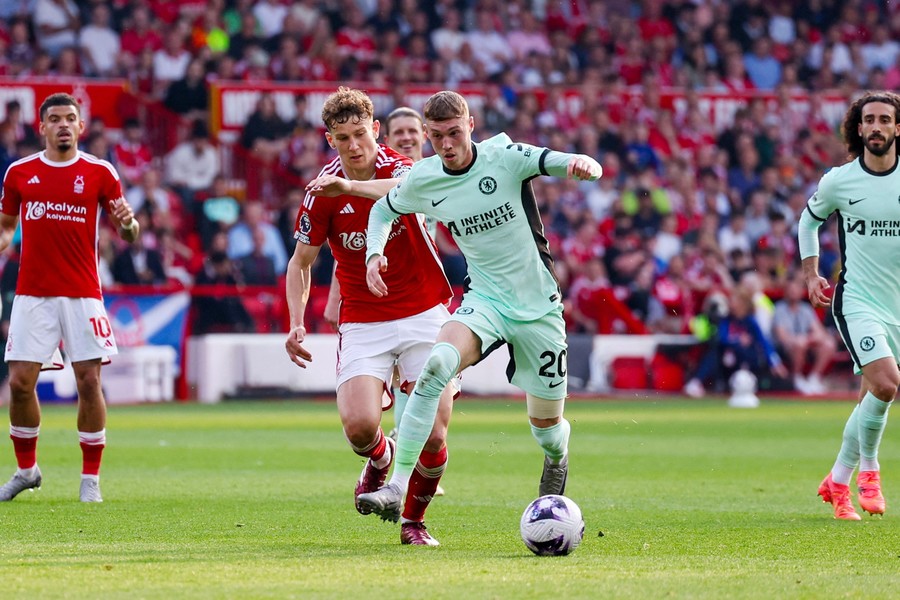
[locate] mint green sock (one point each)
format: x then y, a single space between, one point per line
872 420
400 400
554 439
421 410
848 457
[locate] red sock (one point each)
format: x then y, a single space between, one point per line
423 483
26 451
375 450
90 456
92 445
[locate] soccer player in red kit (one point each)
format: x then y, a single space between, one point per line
58 194
373 332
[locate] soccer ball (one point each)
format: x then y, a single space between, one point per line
552 526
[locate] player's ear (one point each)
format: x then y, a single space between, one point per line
329 139
376 127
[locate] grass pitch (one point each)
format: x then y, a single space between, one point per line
254 500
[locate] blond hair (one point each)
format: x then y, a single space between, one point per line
446 105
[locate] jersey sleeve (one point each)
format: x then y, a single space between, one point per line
528 161
818 208
401 200
112 189
9 197
313 220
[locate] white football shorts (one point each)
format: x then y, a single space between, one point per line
374 348
37 325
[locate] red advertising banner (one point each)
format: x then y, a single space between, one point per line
98 98
233 102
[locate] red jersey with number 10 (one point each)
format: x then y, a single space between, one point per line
58 205
415 278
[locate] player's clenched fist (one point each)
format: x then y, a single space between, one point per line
584 167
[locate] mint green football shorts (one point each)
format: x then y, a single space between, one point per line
537 349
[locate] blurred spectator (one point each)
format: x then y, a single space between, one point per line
192 166
240 236
56 24
734 235
97 144
170 62
493 50
157 201
802 339
673 295
583 308
188 97
738 343
220 210
270 16
100 43
138 265
215 312
763 69
448 38
256 268
247 36
132 156
140 35
177 257
265 134
16 125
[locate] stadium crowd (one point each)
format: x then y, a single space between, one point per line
684 214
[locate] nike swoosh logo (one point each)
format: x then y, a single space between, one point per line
852 201
556 384
436 202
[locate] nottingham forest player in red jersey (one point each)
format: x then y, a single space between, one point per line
374 332
58 194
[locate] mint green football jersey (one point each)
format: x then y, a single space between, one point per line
491 212
867 206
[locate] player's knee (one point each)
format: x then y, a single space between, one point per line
87 380
21 386
361 436
441 366
884 388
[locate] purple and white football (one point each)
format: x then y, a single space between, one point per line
552 526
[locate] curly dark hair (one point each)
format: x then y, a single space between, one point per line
347 104
850 126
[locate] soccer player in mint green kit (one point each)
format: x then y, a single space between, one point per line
864 194
481 193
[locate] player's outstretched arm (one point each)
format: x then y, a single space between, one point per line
332 185
8 224
298 284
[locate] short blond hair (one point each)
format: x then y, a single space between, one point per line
446 105
347 104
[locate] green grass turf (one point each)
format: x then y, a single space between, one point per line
254 500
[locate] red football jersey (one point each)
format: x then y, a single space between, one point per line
58 205
415 277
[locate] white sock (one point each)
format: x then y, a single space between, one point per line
29 472
93 477
385 459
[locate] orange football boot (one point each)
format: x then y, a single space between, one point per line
870 498
839 496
